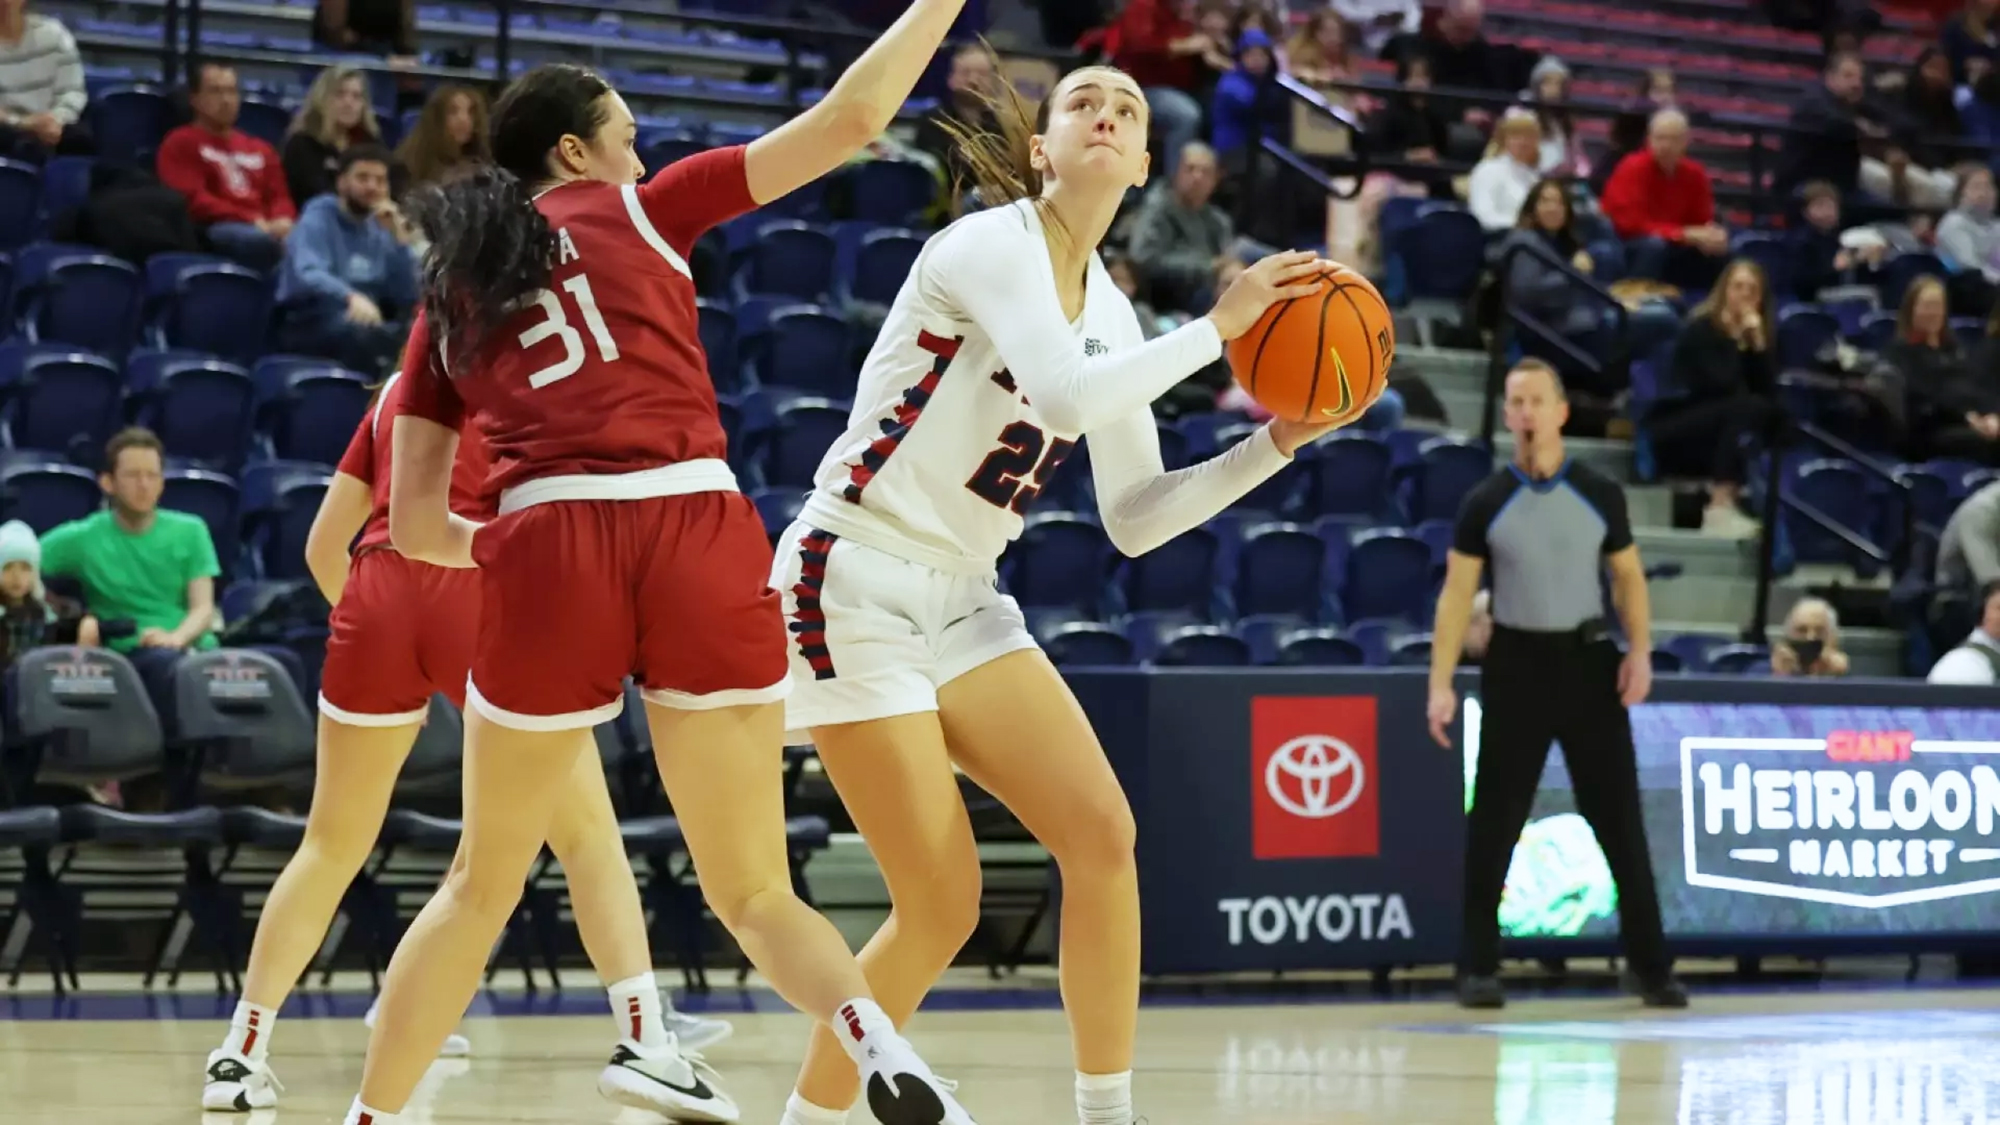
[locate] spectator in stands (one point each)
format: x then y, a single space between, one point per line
1499 184
336 114
1628 129
1561 154
972 80
1969 239
42 95
148 573
1726 365
349 282
1461 58
449 137
1945 410
233 182
1155 41
1972 41
383 27
1818 260
1125 275
1661 202
1976 661
1810 645
1547 219
1826 132
30 616
1180 238
1250 107
1969 547
1409 127
1377 22
1319 54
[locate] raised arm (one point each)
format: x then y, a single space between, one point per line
858 108
1143 505
997 273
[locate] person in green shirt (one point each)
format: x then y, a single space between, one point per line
136 562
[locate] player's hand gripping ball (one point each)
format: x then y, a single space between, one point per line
1322 358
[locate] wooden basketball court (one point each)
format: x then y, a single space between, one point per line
1869 1057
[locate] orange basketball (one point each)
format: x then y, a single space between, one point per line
1321 358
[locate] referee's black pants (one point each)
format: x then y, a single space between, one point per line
1535 687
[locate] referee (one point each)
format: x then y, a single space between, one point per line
1546 526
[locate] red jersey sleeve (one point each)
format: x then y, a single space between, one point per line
359 460
690 196
427 389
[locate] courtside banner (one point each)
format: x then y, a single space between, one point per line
1287 819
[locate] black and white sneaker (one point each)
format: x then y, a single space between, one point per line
238 1085
675 1083
902 1090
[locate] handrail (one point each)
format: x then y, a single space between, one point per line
1775 501
1496 361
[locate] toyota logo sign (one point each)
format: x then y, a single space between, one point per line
1315 776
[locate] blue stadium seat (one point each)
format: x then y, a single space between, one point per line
220 309
658 152
261 481
1413 650
1280 569
778 507
1173 448
89 302
272 374
791 259
1774 253
893 192
881 265
1149 629
278 531
1086 644
1802 332
1388 575
6 293
1666 662
1319 648
806 429
1263 631
1693 649
20 203
1178 575
1970 330
1898 272
67 404
718 343
1441 254
1878 330
1740 660
267 122
65 184
1060 560
1374 636
1281 493
31 267
1931 492
807 349
163 275
1350 476
1437 535
1842 492
1203 646
215 498
1449 470
45 495
317 416
130 121
202 412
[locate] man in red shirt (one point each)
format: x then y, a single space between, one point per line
1155 42
234 184
1661 203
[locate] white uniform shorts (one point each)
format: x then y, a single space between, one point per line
874 636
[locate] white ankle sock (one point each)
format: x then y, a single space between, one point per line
799 1111
860 1023
358 1114
250 1031
1104 1099
635 1005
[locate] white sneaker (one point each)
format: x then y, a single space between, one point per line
675 1083
238 1085
1729 522
902 1090
456 1046
695 1033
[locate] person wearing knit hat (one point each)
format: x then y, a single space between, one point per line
28 615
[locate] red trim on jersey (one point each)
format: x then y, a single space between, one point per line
808 623
903 416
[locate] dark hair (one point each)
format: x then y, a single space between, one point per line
427 152
1835 59
366 153
1816 190
131 437
1988 592
1526 220
490 246
199 81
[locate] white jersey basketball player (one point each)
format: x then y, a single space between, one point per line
1007 345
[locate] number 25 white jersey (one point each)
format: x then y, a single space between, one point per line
944 451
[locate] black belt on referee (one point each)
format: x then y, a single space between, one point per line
1594 630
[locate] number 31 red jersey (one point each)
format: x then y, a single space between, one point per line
602 373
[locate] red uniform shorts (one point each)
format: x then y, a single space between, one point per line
403 630
673 591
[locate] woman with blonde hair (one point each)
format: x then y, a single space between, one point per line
1500 183
450 137
336 114
1726 361
1320 53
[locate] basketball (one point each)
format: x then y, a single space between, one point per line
1320 358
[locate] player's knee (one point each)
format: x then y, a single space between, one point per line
1098 841
944 910
340 838
482 887
738 908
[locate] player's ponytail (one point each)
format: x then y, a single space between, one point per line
1000 165
490 246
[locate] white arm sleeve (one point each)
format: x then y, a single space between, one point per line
1142 505
986 268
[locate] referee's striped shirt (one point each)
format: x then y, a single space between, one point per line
41 73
